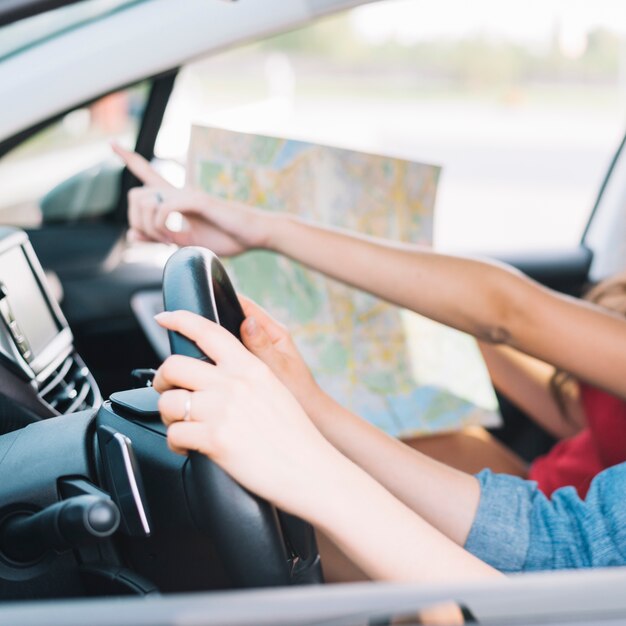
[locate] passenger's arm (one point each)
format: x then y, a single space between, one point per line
491 301
525 381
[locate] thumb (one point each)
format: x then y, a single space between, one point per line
256 339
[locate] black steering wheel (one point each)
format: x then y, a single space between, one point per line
258 544
97 503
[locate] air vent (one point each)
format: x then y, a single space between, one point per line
70 387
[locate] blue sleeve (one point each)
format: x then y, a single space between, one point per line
517 528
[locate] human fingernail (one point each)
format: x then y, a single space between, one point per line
162 316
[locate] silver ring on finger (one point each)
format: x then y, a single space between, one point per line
158 198
187 412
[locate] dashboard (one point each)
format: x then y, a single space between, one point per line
36 343
97 503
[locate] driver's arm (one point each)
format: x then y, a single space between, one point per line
517 528
505 521
443 496
446 498
235 411
263 439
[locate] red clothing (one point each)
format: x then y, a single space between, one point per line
576 460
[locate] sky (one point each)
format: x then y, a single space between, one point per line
531 22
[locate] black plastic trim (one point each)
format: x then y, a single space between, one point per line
603 187
15 10
150 125
565 270
6 145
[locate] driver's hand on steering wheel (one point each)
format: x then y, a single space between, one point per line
224 226
241 416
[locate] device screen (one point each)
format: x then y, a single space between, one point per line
23 305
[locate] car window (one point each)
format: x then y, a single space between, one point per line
66 170
522 103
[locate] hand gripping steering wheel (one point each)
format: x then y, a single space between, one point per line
259 545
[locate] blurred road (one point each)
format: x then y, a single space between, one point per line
512 178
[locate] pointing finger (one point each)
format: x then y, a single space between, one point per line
140 167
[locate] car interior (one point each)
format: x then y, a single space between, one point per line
95 503
126 515
65 507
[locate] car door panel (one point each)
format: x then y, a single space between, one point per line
566 271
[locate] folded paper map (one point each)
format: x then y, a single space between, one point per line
355 344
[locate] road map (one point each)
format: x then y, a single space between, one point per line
355 344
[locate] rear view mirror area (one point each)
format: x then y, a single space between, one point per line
90 193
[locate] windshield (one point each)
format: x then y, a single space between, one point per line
32 31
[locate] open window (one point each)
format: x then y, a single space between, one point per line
65 172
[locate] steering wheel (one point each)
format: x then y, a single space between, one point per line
259 545
113 510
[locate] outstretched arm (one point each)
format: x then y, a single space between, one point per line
491 301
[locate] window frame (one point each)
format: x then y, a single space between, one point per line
160 88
